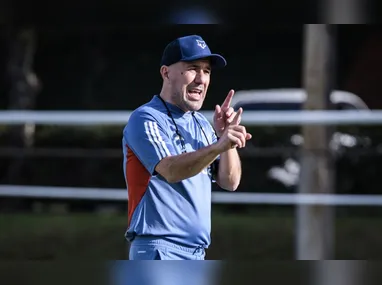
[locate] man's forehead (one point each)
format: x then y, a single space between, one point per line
204 63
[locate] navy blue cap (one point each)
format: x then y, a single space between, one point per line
190 48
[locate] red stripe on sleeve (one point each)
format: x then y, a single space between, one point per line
137 178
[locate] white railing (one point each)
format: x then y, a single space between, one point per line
250 118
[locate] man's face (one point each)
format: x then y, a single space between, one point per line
189 83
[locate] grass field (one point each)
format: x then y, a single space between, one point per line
234 236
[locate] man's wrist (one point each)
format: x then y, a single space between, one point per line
218 135
217 148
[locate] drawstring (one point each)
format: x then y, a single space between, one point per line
199 248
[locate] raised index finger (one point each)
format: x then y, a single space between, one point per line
227 102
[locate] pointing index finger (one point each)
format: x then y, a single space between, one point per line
227 102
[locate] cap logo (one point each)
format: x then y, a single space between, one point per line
202 44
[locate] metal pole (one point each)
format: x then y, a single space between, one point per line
344 11
338 272
315 222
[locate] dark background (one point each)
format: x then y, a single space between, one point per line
114 67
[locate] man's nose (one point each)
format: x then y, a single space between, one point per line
201 78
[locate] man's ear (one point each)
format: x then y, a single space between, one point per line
164 72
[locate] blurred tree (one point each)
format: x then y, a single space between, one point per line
24 87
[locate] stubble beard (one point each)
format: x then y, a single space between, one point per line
186 105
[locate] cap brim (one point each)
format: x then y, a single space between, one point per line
217 61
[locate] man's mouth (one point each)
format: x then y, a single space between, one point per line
195 94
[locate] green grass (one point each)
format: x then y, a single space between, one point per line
234 236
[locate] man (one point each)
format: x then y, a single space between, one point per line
171 154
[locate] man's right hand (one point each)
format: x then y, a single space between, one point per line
234 135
